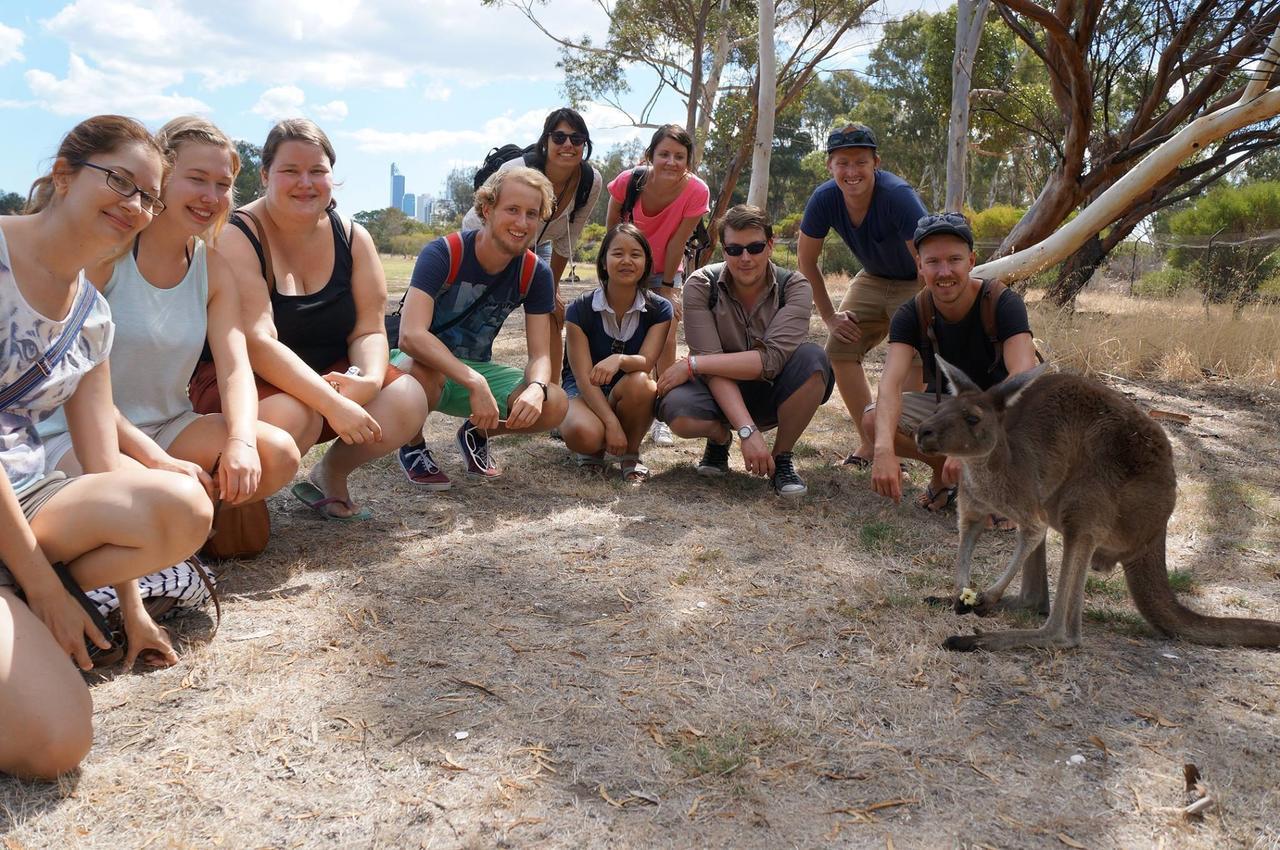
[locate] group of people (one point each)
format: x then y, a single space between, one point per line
158 363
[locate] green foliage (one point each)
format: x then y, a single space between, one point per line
249 181
589 245
1236 267
995 222
394 232
459 195
11 203
1164 283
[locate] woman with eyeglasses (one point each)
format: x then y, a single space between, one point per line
615 334
668 206
561 153
314 296
167 294
111 524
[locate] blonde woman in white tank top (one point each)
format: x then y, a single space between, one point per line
57 535
168 293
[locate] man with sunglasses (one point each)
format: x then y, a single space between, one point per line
875 213
749 367
959 333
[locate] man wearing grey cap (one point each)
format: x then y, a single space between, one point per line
979 326
875 213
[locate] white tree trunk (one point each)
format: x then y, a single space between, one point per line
969 23
758 193
1257 103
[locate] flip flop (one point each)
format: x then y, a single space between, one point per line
311 496
633 471
931 497
588 461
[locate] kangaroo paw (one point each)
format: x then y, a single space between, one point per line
962 643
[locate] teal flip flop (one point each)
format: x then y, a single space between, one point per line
311 496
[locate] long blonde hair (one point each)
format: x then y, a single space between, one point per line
192 128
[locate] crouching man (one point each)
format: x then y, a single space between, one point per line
749 367
979 326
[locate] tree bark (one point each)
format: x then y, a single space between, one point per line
758 192
969 22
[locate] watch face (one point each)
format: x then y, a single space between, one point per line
745 431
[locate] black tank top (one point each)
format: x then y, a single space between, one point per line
316 326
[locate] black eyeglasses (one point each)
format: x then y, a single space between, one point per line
938 218
860 137
578 139
126 188
752 249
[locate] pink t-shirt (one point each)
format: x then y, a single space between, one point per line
695 200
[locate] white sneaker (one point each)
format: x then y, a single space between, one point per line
661 434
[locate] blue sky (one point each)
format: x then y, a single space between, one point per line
429 84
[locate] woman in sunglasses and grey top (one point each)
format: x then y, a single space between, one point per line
561 153
59 535
875 213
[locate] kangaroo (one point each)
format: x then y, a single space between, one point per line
1061 451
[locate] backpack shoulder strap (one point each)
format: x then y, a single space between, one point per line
635 185
454 247
988 299
44 366
713 279
528 267
928 341
586 177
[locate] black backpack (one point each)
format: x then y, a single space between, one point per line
506 153
715 271
695 249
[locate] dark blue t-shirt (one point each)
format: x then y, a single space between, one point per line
472 338
880 242
580 312
964 343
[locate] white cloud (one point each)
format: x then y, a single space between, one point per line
11 44
496 131
280 102
116 87
333 111
436 91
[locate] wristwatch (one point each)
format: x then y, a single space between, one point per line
746 431
544 388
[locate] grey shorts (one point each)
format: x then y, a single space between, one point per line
164 433
693 399
31 501
916 408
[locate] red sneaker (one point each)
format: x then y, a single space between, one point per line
475 451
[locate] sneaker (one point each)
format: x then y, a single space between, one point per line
661 434
421 468
785 480
475 452
715 458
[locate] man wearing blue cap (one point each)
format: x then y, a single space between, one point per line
875 213
979 326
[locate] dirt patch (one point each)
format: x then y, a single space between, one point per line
557 660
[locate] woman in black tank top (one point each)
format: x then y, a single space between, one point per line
314 291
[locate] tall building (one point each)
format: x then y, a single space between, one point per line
426 208
409 204
397 188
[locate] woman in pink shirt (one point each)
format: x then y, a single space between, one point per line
671 201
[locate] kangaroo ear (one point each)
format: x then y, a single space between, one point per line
1005 394
957 381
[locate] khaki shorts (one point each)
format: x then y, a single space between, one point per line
916 408
872 300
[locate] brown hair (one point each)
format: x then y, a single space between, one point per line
488 194
295 130
92 136
674 132
745 217
192 128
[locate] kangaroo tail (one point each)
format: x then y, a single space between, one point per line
1148 580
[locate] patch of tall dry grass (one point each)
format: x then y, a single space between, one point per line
1172 340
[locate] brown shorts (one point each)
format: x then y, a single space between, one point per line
916 408
31 501
873 301
205 397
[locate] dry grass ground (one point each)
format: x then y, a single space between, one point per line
556 660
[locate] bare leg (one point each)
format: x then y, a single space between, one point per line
632 400
201 441
711 429
46 715
668 355
795 414
293 417
554 409
399 409
582 430
851 381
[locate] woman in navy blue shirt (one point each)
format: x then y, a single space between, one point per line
615 335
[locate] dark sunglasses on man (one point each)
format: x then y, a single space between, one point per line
576 139
858 137
753 249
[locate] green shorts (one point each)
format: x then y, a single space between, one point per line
455 400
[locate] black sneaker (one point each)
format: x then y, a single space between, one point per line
715 458
785 480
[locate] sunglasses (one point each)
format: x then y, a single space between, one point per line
948 217
851 139
577 139
753 249
126 188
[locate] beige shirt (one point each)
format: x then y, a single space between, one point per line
730 328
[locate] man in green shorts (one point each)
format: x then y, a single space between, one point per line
463 288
